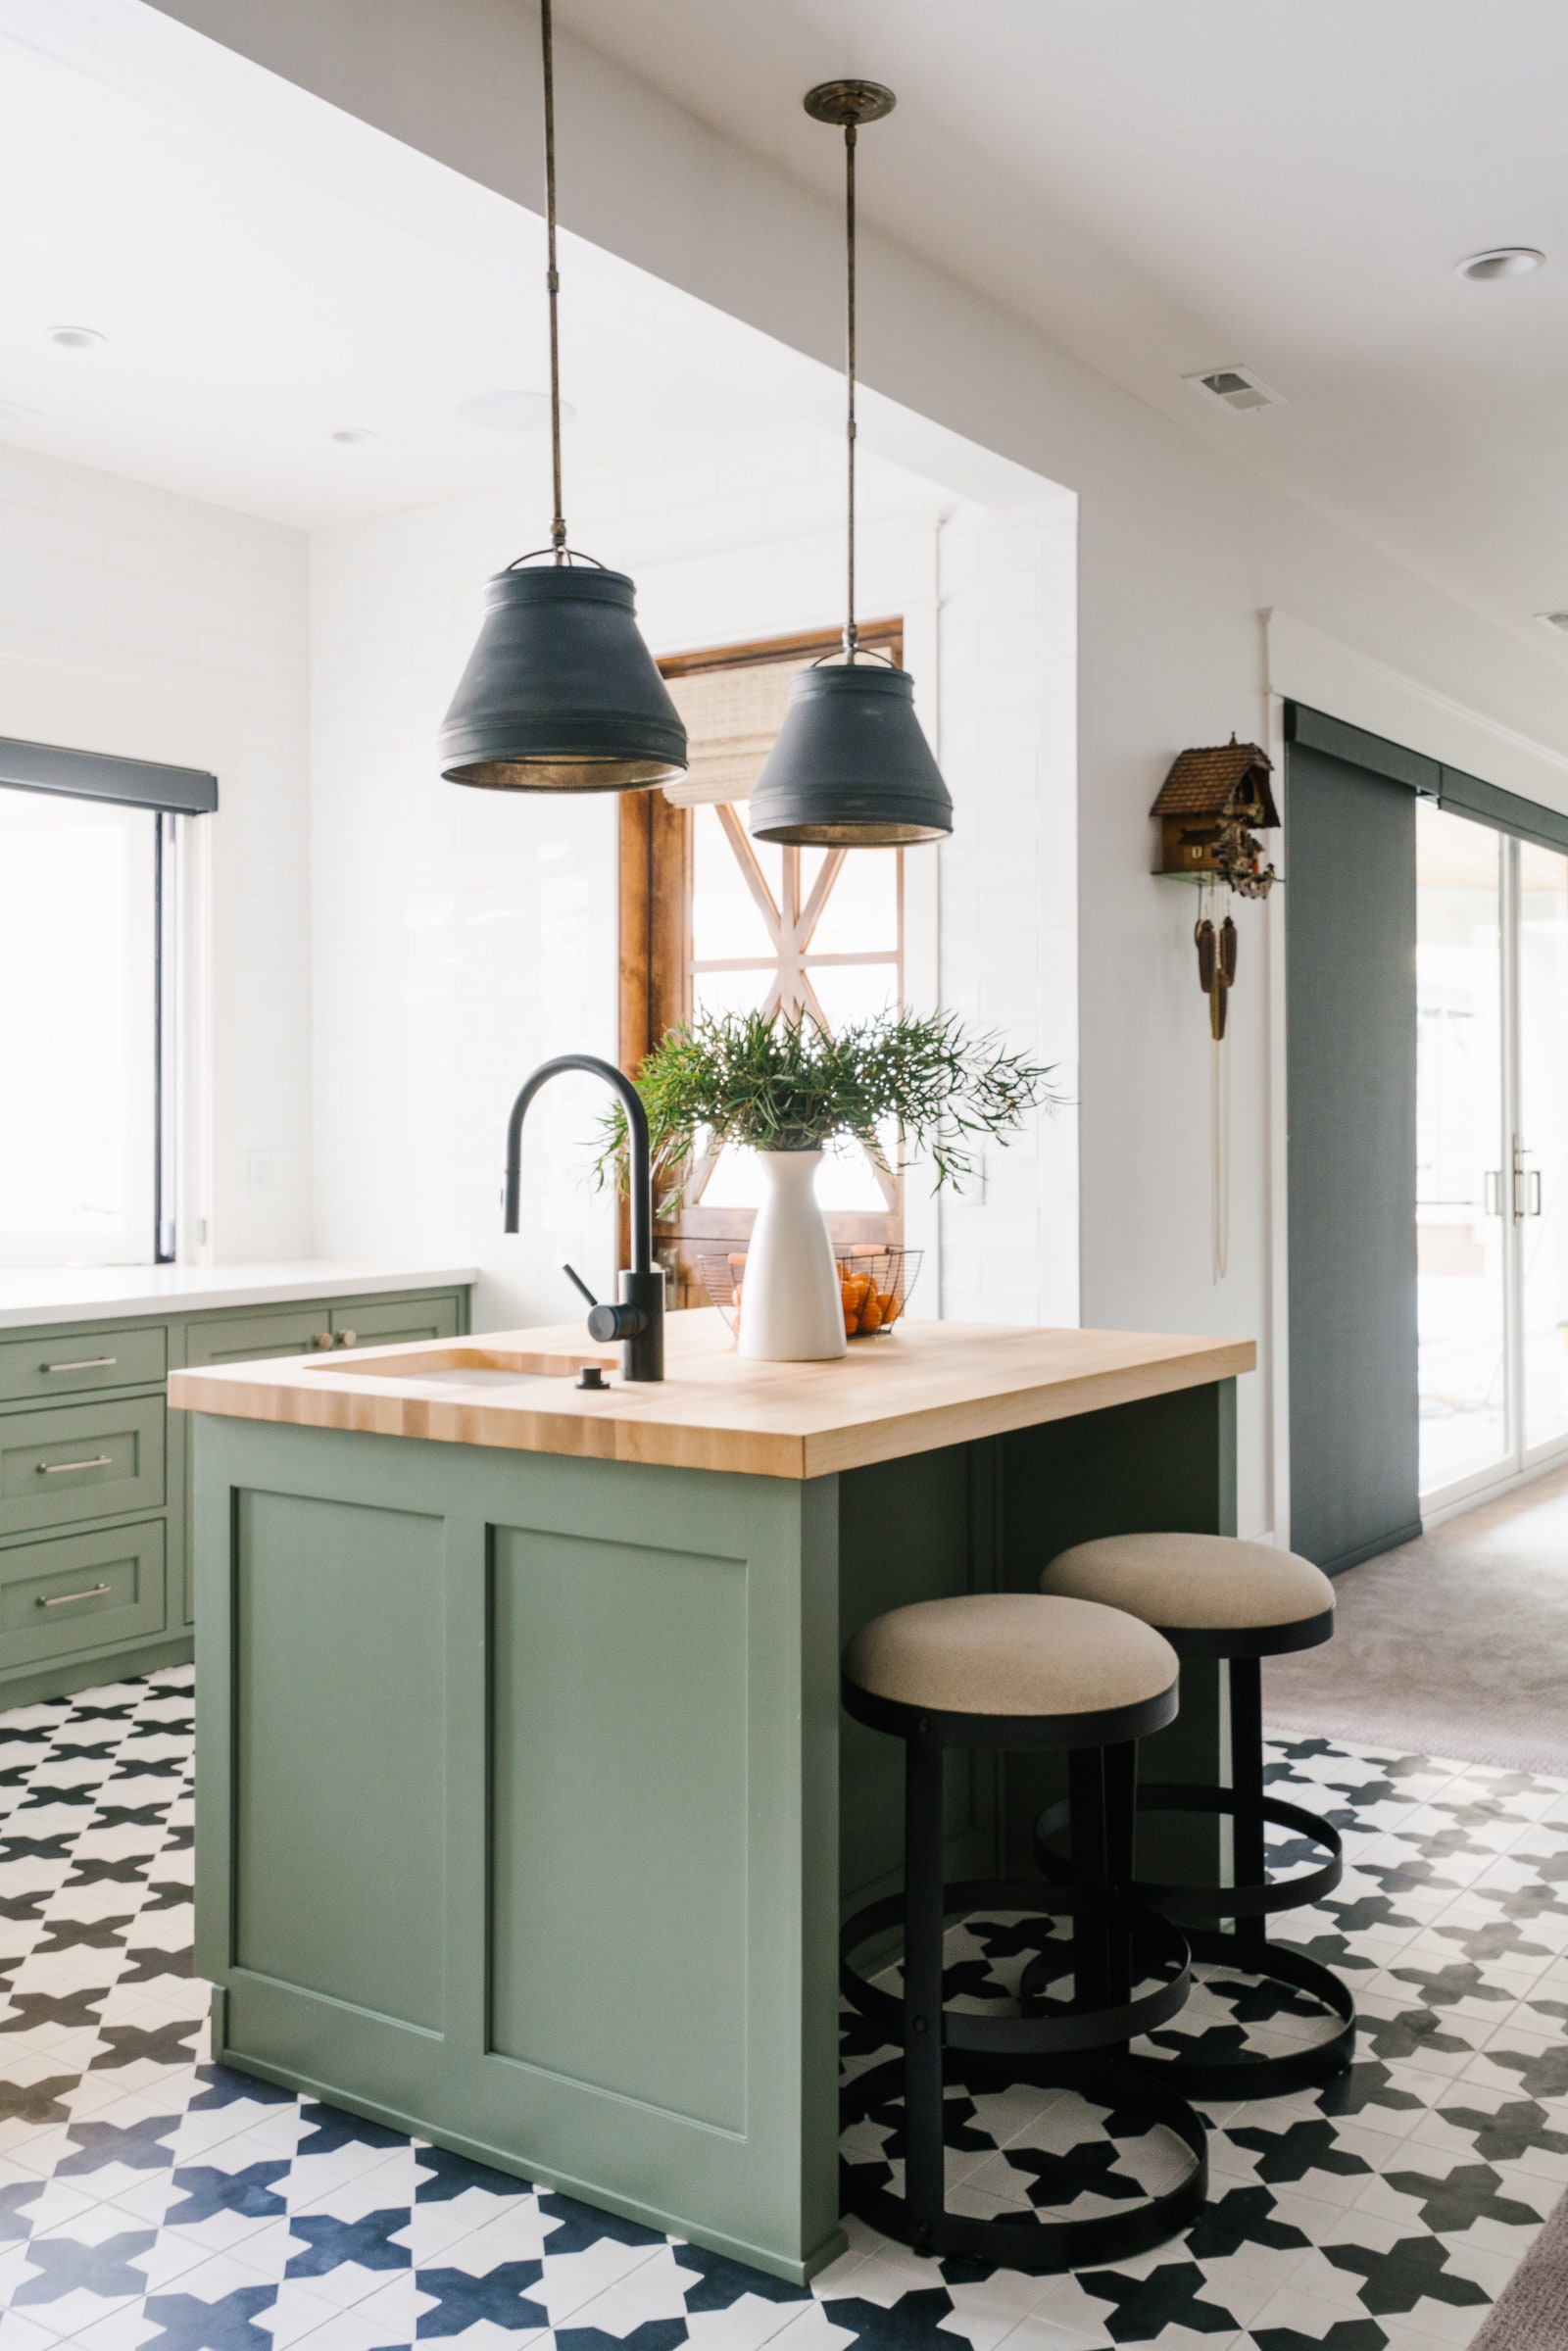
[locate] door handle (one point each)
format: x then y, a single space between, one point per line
1526 1184
52 1469
62 1599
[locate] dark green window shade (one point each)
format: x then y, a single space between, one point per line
1315 730
1489 804
1467 795
1350 1105
94 775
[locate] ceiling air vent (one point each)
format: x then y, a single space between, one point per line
1237 387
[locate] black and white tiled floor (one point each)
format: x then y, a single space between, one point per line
150 2199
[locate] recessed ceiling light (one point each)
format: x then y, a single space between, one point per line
1501 261
351 436
76 338
511 411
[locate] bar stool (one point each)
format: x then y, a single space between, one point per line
1012 1672
1212 1595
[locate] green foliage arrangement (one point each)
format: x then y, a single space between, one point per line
788 1085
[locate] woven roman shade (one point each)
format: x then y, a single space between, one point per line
731 717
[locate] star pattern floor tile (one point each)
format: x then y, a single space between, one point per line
152 2201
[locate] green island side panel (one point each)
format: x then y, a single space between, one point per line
339 1751
618 1818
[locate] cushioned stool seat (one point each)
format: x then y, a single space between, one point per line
1214 1596
1202 1582
1001 1653
1017 1671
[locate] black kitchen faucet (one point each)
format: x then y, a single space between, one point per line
638 1321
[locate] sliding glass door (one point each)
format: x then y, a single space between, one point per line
1539 1171
1492 1177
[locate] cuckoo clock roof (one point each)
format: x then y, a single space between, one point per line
1207 782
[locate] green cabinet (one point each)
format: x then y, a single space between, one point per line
47 1366
78 1596
83 1462
524 1808
95 1542
271 1331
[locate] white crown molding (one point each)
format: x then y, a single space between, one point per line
1306 665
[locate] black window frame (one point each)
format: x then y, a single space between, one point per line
168 793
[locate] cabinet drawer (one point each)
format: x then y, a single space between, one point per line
82 1592
83 1462
395 1323
248 1338
48 1366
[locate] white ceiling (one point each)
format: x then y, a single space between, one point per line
1168 185
1160 186
250 313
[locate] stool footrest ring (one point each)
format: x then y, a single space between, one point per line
1306 2067
1102 2026
1202 1905
1029 2244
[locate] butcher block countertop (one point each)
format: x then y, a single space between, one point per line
928 1384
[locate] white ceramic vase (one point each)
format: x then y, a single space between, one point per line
792 1304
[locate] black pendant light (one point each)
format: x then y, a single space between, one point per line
850 767
560 694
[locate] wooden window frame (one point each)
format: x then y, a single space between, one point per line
654 954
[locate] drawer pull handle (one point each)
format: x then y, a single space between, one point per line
52 1469
84 1363
94 1592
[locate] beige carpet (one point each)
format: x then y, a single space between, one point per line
1531 2313
1455 1645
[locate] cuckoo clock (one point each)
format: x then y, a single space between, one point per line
1211 807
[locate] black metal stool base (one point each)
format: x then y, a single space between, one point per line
1200 1910
1078 2045
1029 2244
1308 2067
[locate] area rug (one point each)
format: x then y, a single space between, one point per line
1454 1644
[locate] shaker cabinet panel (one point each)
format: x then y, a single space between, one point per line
47 1366
248 1338
85 1461
80 1592
396 1323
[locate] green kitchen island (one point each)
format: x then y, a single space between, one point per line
525 1810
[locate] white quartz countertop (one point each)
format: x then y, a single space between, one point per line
42 1294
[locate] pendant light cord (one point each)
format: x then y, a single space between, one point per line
851 632
558 526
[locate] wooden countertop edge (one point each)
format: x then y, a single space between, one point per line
1021 1408
751 1452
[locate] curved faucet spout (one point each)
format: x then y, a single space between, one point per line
642 1184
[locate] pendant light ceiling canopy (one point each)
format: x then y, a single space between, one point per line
560 694
850 767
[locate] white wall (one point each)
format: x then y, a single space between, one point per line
1010 890
146 625
461 936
